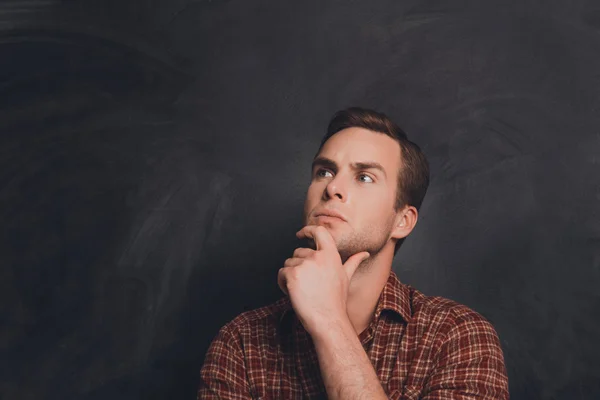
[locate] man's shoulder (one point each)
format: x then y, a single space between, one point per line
442 310
262 317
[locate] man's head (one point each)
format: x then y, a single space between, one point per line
368 171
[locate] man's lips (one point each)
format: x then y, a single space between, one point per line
330 214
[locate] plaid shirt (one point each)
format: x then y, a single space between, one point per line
421 347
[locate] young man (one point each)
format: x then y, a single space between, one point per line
347 327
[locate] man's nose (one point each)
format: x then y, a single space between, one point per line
335 188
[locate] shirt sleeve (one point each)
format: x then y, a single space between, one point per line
223 374
470 364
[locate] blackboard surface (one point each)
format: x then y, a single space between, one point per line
154 157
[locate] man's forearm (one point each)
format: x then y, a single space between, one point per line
346 369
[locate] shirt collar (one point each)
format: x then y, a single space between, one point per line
395 297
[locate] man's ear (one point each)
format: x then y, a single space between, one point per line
406 219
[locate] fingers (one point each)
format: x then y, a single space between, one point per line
320 234
303 252
298 258
282 281
293 262
354 261
281 275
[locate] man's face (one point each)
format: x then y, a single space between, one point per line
364 195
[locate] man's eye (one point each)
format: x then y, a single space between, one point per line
321 171
367 176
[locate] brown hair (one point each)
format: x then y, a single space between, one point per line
413 176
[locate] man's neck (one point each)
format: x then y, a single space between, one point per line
365 289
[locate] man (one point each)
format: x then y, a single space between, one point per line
347 327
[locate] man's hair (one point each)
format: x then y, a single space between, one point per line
413 176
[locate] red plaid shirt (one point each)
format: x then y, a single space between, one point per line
420 347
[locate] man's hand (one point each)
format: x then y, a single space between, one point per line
316 280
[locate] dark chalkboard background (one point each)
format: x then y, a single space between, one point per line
154 157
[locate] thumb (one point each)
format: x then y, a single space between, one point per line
354 261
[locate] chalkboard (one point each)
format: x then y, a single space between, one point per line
155 155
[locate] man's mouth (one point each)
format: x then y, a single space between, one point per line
328 218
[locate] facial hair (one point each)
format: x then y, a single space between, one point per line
371 239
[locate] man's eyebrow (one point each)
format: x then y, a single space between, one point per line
362 165
324 162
